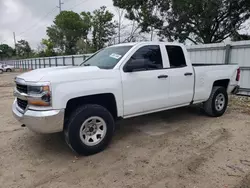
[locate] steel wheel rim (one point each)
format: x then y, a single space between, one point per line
220 101
93 131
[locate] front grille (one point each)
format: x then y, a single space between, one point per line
22 88
22 103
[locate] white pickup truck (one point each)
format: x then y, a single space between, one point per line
120 81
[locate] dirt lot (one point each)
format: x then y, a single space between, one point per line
172 149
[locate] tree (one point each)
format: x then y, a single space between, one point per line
84 46
49 47
120 13
103 27
147 13
206 21
239 37
6 51
68 28
23 49
203 21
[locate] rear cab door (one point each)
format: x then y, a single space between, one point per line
181 76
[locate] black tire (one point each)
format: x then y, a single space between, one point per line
74 123
1 71
8 70
210 105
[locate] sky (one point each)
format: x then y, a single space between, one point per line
30 18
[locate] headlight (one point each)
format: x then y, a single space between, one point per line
39 95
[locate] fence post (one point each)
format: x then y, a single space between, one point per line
63 61
39 60
227 54
49 62
56 61
43 62
73 60
31 64
35 64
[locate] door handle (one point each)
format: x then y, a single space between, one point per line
163 76
188 74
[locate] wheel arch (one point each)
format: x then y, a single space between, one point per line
222 82
106 100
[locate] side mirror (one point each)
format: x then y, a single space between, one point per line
135 65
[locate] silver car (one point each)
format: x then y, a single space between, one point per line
7 68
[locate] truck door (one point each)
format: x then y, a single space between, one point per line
145 88
181 77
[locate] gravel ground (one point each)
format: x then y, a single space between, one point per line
180 148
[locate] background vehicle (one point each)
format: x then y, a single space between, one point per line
121 81
7 68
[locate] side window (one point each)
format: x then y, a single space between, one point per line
149 57
176 56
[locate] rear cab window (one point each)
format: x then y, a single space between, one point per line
176 56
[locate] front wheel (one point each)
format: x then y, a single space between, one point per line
89 129
217 103
1 71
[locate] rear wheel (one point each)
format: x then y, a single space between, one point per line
1 71
89 129
8 70
217 103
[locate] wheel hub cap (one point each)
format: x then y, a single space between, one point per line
220 102
93 130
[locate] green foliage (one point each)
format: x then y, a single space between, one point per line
203 21
49 48
68 28
23 49
84 46
103 27
206 21
6 51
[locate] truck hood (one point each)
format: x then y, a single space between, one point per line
66 73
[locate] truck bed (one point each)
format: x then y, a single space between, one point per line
205 74
206 64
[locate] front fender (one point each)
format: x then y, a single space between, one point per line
63 92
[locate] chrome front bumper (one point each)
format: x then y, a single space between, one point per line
50 121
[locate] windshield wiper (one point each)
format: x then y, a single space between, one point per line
86 65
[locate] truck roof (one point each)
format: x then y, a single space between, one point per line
148 43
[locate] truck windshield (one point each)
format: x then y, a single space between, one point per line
107 58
